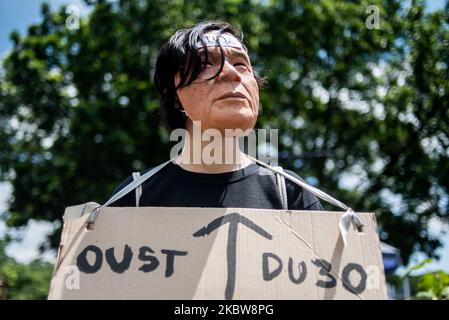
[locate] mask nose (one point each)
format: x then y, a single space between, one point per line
229 72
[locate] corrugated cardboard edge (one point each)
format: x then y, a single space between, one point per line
70 213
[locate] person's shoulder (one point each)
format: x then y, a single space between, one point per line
128 199
298 197
292 173
292 186
130 179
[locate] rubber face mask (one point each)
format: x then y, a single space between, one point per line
228 101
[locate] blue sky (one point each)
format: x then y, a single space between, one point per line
18 15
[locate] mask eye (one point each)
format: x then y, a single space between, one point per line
206 65
241 65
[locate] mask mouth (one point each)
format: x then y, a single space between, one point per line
238 95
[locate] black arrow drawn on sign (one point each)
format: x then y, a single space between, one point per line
234 219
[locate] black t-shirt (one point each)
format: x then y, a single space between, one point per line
251 187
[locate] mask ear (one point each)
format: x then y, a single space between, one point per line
179 106
177 79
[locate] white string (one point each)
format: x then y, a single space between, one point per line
136 176
127 189
347 218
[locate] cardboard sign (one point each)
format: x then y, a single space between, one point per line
215 253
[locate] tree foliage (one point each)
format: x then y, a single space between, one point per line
23 281
79 112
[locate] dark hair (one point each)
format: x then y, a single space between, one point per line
180 54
